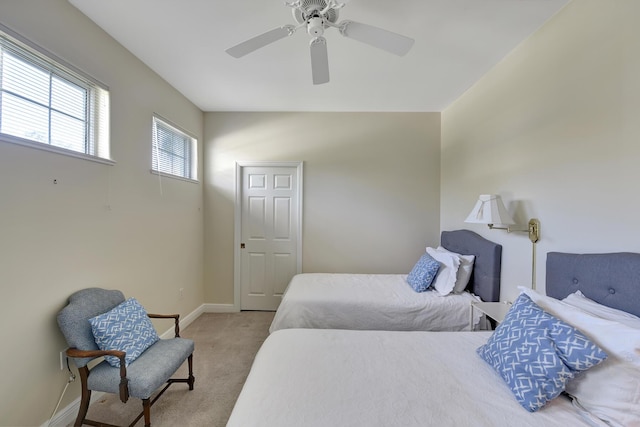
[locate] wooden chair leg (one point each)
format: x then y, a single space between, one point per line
191 377
85 398
146 408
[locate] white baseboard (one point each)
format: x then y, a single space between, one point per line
184 322
220 308
68 415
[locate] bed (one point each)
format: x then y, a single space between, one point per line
316 377
386 301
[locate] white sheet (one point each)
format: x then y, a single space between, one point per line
369 301
312 377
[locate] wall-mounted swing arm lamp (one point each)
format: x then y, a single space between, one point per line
490 210
533 229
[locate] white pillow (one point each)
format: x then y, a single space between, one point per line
577 299
464 271
445 281
611 390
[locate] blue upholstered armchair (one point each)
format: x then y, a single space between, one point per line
101 323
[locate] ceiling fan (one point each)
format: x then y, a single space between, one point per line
316 16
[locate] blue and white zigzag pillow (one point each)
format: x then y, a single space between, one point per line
127 328
536 354
423 273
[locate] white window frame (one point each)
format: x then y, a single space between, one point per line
190 147
96 115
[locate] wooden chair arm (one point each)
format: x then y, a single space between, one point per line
124 381
74 352
176 318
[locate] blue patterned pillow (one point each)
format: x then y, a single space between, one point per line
126 328
423 273
536 354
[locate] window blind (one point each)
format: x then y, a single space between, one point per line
46 102
173 150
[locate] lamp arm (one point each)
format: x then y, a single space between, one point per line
493 227
533 228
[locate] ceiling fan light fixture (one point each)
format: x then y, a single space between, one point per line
315 27
308 9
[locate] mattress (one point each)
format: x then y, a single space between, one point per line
313 377
370 302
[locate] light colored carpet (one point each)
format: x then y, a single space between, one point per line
225 346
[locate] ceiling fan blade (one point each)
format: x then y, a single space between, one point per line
377 37
319 60
261 40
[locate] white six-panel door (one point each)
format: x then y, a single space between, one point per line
269 233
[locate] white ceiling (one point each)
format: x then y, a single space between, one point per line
184 41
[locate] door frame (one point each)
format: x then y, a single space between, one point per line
237 256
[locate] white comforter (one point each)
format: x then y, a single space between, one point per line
335 378
369 301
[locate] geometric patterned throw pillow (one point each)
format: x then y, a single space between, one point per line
536 354
423 273
126 328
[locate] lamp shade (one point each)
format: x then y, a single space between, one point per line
489 209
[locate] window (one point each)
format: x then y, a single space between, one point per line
174 151
47 104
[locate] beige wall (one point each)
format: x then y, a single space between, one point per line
55 239
554 129
371 187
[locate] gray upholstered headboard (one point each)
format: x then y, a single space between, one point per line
612 279
485 279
